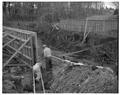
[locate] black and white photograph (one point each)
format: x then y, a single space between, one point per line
60 47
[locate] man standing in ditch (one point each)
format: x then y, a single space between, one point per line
47 56
48 62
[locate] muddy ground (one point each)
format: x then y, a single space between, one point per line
80 79
64 78
73 79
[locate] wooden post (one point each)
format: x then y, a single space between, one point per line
32 52
8 42
34 90
103 26
35 47
36 55
85 33
86 26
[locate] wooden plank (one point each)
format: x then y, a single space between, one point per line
18 30
16 37
27 46
96 46
8 42
16 65
34 82
10 51
86 26
21 53
36 45
4 35
16 52
82 63
35 48
89 62
85 33
32 55
26 64
43 86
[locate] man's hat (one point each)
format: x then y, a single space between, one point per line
44 45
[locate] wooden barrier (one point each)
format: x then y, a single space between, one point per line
23 42
24 45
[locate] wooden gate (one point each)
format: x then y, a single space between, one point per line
19 47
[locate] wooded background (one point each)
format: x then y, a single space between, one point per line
54 11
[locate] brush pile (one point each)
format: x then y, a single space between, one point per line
83 79
17 80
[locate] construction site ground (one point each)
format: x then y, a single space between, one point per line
85 33
67 78
76 79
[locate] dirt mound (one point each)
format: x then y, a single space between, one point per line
81 79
